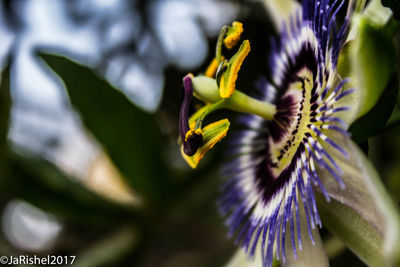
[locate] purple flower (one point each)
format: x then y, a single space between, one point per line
293 139
273 174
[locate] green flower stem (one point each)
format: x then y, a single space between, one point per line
206 89
243 103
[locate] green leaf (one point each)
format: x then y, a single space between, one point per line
39 182
130 136
394 5
372 63
363 198
375 120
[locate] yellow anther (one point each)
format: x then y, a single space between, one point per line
228 80
222 92
191 125
212 134
192 132
233 35
212 68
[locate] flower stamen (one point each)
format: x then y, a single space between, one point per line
212 68
211 134
228 80
233 35
217 93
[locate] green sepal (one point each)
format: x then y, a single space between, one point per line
367 220
352 229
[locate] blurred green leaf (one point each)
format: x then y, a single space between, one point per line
394 5
372 64
111 250
5 105
393 122
130 136
37 181
375 120
394 119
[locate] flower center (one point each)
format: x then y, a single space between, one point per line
291 121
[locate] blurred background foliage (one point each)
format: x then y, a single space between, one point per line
89 101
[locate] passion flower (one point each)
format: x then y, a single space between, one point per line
286 134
